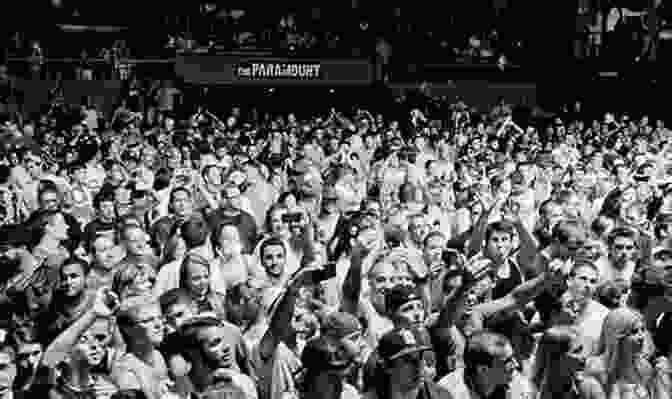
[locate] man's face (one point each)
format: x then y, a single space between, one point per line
277 225
583 283
49 201
181 203
34 165
123 202
72 280
500 245
174 158
622 174
107 211
418 229
231 198
573 207
273 260
150 322
411 314
574 243
105 254
28 356
7 374
623 250
433 250
553 213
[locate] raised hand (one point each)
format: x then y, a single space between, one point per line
366 242
106 303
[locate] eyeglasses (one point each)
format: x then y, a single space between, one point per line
624 247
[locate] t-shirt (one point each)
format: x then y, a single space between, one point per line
129 372
286 365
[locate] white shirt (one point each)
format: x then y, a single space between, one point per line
589 324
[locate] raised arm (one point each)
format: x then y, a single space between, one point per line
60 347
352 285
282 316
478 234
516 299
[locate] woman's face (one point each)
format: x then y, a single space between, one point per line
73 280
57 227
197 278
116 174
180 249
214 346
629 196
276 224
214 176
174 158
142 284
150 320
633 342
148 158
229 241
354 345
505 188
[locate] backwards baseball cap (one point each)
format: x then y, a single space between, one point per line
403 341
398 296
339 325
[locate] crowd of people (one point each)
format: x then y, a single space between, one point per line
431 254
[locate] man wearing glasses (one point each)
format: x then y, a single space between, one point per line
490 367
404 367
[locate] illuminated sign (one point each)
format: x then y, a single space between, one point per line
279 70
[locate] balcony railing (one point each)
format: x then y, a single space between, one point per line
91 68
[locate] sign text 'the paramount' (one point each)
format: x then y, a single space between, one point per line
267 70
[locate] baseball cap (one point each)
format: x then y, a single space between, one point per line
403 341
340 324
399 295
